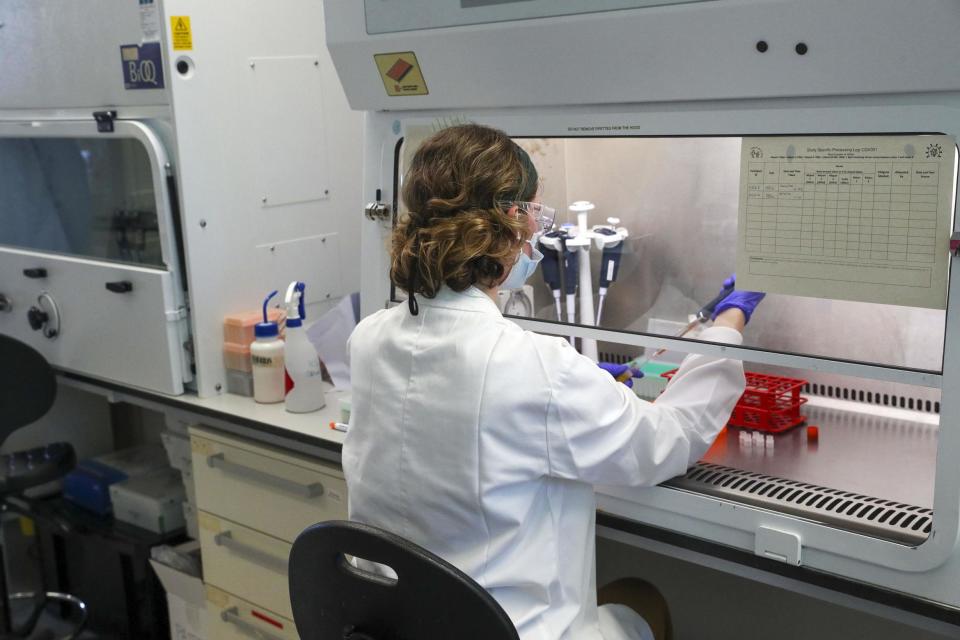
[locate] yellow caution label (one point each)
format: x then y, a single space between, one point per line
208 522
201 446
27 528
180 33
217 597
130 54
401 74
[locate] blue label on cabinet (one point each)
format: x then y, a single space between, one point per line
142 66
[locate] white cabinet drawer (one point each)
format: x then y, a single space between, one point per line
264 488
232 618
245 562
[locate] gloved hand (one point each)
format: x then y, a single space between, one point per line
746 301
619 370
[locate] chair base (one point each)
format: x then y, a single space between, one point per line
29 627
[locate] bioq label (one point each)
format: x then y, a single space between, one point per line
142 66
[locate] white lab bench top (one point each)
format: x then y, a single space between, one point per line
311 425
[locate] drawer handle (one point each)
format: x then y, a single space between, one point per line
219 461
120 286
232 616
253 554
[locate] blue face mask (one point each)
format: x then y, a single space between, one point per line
522 269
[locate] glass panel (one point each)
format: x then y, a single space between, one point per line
89 197
870 444
678 200
392 17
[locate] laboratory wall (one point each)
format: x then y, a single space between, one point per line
678 197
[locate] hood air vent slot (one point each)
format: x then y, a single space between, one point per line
894 521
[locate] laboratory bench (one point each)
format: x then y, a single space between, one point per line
869 472
263 474
887 452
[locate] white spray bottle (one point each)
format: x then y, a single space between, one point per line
304 381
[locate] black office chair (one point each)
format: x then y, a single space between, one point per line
430 599
28 388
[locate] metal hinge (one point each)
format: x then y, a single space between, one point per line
105 120
377 210
174 315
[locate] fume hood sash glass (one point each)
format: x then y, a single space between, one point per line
90 197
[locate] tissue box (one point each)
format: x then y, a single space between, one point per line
88 485
151 501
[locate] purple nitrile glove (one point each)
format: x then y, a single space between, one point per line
746 301
617 370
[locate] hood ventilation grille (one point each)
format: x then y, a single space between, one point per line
851 511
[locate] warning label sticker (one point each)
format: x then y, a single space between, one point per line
142 66
180 33
401 74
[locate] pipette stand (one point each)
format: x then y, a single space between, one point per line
583 237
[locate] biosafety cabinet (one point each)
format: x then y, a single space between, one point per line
163 164
808 146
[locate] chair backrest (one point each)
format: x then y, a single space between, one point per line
28 385
430 599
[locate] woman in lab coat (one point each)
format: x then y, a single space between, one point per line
481 441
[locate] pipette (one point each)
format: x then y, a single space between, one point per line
571 275
704 314
550 266
609 266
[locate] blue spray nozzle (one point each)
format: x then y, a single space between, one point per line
266 302
301 288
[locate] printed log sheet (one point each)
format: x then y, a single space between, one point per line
847 217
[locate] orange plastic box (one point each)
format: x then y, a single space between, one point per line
236 356
238 327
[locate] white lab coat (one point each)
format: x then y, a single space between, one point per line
482 442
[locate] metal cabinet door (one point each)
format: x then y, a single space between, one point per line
90 271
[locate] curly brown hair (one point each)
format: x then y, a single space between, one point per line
457 232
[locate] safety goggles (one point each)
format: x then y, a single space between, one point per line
543 214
